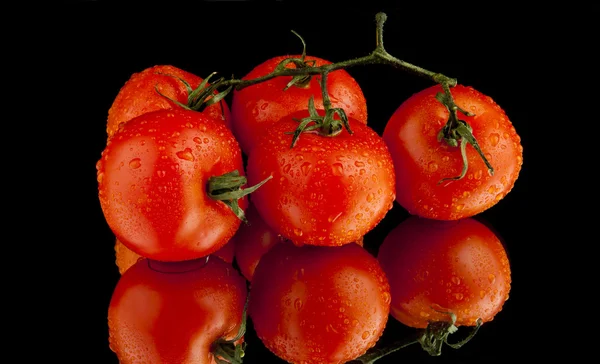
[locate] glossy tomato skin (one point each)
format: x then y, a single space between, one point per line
138 96
252 241
125 257
152 181
315 304
326 191
421 161
174 313
258 106
450 266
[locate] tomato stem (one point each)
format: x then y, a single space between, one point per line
457 130
375 353
227 188
232 351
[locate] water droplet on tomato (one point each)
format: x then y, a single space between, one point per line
491 278
100 177
161 173
298 232
459 207
135 163
337 169
264 106
358 216
365 335
499 197
359 164
186 154
458 296
494 139
478 174
386 297
482 293
445 158
432 166
298 304
305 167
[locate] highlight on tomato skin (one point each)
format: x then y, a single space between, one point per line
141 93
174 312
411 135
315 304
254 109
436 267
125 257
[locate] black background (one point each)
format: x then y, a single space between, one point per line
100 44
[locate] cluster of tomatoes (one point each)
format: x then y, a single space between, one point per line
205 235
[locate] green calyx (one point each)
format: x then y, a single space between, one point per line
436 334
327 125
457 132
227 188
201 97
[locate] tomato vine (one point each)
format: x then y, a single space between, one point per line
456 132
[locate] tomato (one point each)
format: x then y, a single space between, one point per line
256 107
139 95
421 161
315 304
434 267
175 312
325 190
125 257
253 240
152 182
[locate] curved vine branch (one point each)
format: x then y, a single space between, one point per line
455 133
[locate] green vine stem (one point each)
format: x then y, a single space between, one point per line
431 339
455 133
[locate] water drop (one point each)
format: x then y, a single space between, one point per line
337 169
161 173
286 168
365 335
491 278
359 164
494 139
478 174
305 167
135 163
186 154
370 197
458 296
298 304
386 297
298 232
432 166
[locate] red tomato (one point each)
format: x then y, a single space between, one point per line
257 107
315 304
421 161
138 96
445 266
325 190
175 312
125 257
253 240
152 181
